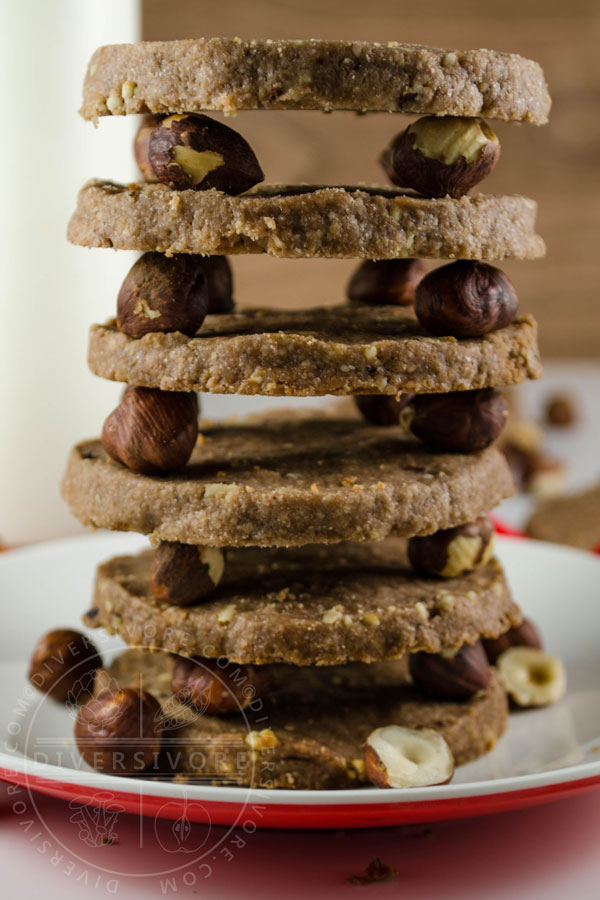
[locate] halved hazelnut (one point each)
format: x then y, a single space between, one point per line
531 677
523 635
453 551
385 282
184 574
399 757
442 156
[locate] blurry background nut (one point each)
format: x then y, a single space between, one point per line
444 156
152 431
465 298
386 282
561 410
212 686
382 409
120 732
523 635
452 552
398 757
64 662
196 152
531 677
462 421
184 574
140 145
452 676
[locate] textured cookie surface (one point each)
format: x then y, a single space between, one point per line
231 74
310 725
573 520
313 605
289 480
332 350
333 222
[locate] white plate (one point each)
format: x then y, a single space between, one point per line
545 754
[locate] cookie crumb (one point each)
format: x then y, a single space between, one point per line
375 871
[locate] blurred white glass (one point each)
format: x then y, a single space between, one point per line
50 291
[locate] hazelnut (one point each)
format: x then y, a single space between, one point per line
195 152
140 145
63 663
386 282
382 409
152 431
543 476
461 421
531 677
398 757
452 676
442 156
120 732
184 574
523 635
213 686
452 552
219 284
561 411
465 298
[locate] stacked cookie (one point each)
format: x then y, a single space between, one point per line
300 559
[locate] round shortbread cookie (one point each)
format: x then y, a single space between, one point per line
573 519
230 74
314 605
287 480
308 731
305 222
331 350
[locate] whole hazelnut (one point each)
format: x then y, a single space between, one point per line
194 152
140 145
523 635
465 298
453 551
461 421
442 156
63 664
213 686
382 409
399 757
386 282
120 732
219 284
184 574
452 676
561 411
151 431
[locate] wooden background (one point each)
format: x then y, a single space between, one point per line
558 165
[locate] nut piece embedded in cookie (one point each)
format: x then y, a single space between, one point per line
64 663
382 409
462 421
465 298
531 677
185 574
454 551
386 282
120 732
152 431
196 152
454 676
523 635
442 156
213 686
398 757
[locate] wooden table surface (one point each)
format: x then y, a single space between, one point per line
557 165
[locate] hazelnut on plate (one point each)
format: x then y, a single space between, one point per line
386 282
461 421
63 664
451 676
213 686
454 551
184 574
531 677
441 156
398 757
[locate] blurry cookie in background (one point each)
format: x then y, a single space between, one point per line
573 520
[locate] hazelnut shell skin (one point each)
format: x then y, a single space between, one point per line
238 173
209 687
64 662
386 282
178 575
382 409
465 298
455 677
429 555
120 732
141 142
460 421
152 431
523 635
